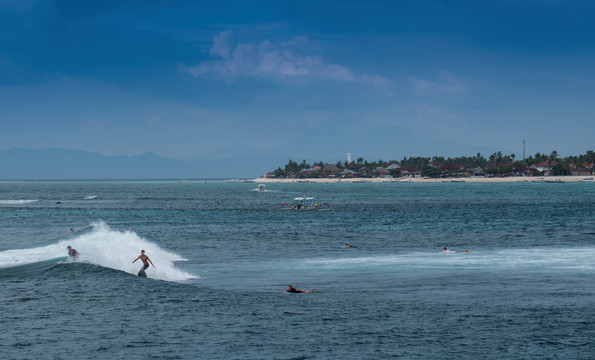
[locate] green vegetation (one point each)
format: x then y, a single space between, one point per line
496 164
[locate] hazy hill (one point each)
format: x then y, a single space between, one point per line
389 143
386 143
62 164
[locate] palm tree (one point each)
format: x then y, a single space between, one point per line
553 156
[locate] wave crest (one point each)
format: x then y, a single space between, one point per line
100 245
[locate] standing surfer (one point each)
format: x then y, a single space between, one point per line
145 259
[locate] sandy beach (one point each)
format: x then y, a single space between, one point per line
553 179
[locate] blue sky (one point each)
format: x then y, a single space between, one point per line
184 79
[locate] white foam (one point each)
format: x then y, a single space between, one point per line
16 202
575 259
264 191
108 248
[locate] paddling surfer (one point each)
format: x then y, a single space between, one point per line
447 251
291 289
145 259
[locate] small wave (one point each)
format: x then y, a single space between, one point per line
17 202
91 197
30 268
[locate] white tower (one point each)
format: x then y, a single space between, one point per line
349 158
524 143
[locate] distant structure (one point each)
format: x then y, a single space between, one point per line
349 158
524 143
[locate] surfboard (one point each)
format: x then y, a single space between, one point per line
142 273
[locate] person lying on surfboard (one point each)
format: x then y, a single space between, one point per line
291 289
145 259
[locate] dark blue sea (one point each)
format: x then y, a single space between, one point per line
224 254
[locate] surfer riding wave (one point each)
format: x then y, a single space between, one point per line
145 259
97 244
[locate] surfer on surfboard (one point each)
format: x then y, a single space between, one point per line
145 259
291 289
73 254
447 251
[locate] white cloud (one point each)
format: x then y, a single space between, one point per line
447 84
221 44
265 59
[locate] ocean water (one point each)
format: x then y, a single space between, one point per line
224 254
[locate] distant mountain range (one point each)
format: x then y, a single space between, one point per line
391 143
64 164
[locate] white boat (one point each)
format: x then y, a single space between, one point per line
305 204
453 180
239 181
588 179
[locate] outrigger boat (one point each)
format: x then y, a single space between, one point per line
305 203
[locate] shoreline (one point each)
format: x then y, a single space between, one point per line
552 179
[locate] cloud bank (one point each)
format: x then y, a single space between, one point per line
265 59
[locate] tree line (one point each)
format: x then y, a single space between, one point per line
436 166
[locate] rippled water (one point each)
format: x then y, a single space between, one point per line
225 253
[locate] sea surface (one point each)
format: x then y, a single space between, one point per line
224 254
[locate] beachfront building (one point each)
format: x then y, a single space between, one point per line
545 167
584 170
347 173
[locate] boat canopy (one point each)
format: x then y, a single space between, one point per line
305 201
